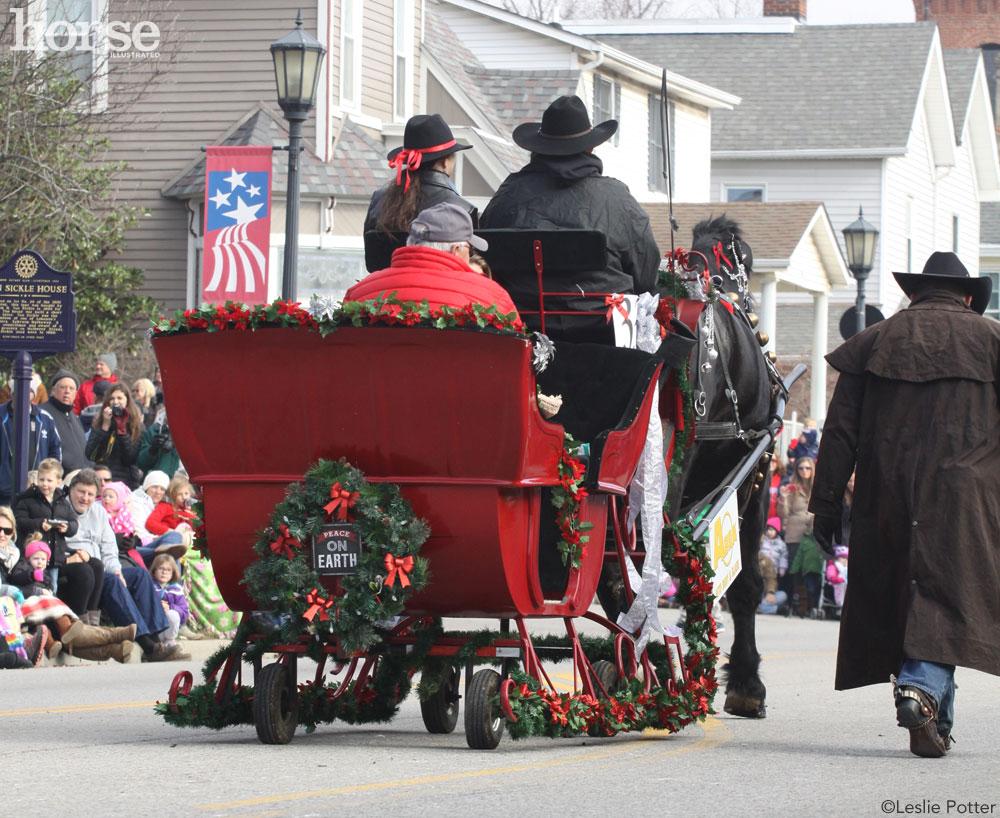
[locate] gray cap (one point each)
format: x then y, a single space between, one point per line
110 359
445 222
65 373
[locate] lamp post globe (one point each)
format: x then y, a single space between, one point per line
860 241
297 61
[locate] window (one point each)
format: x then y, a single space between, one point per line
350 54
954 234
607 102
993 308
402 38
656 169
743 193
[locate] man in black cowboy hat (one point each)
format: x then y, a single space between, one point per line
916 410
563 187
424 166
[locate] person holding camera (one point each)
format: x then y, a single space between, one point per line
114 438
156 449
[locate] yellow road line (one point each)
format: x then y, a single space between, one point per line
716 733
76 708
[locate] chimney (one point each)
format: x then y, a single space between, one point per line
786 8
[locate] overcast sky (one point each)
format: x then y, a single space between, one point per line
830 12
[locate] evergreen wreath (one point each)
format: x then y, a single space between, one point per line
389 569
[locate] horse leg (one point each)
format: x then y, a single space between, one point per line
745 692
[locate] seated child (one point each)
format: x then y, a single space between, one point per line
29 574
772 545
774 600
836 573
172 513
167 582
45 508
114 497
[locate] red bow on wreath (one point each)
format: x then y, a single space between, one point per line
340 501
615 302
317 605
398 567
285 541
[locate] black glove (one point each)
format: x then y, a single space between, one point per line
159 440
828 532
168 445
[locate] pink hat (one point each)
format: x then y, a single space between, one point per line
840 551
37 545
775 523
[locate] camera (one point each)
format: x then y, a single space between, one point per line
117 411
57 523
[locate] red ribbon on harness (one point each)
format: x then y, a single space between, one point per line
317 605
410 159
340 501
615 302
720 256
398 567
283 544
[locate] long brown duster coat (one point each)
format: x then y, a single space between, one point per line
916 409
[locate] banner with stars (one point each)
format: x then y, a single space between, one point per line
237 224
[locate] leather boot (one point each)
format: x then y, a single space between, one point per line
85 636
118 651
92 618
917 712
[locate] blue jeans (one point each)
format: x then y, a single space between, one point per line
765 607
938 681
148 552
135 601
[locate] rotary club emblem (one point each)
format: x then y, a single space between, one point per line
26 266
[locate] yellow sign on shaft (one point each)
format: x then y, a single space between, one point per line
724 546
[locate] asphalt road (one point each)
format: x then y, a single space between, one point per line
83 741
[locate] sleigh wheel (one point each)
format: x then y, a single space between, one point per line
606 676
440 711
274 705
483 723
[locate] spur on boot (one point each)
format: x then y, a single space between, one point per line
917 712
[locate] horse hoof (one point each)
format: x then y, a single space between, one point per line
737 705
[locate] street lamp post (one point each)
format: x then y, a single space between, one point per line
297 59
860 239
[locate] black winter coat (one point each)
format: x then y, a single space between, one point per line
570 192
23 576
117 452
916 410
71 433
435 188
31 508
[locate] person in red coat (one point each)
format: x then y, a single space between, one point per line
104 369
173 513
435 265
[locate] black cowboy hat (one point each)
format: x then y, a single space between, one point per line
428 131
946 267
565 129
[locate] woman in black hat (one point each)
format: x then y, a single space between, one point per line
424 166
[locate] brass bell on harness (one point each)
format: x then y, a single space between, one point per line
754 319
772 357
762 338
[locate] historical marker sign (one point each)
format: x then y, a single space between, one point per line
336 549
36 307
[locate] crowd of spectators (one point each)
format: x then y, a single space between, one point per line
102 531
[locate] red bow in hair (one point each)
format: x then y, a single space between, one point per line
285 541
398 567
340 501
411 158
317 605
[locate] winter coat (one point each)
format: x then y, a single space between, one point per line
777 551
117 452
417 273
141 505
32 582
173 595
916 410
31 508
71 435
793 509
43 442
808 558
570 192
152 457
85 394
435 188
166 518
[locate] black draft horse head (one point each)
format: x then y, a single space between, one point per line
733 402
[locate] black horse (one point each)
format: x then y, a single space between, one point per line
734 389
